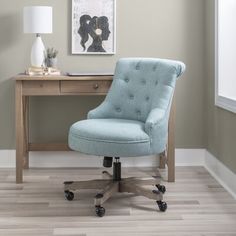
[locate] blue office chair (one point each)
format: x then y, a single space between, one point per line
131 122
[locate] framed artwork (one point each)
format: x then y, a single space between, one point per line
93 27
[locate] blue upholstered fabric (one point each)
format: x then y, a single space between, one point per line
133 119
97 137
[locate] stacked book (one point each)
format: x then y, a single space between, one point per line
42 71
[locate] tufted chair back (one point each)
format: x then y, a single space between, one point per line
140 85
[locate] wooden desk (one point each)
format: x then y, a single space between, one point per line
27 86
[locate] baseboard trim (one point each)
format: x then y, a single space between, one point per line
53 159
221 173
7 159
189 157
184 157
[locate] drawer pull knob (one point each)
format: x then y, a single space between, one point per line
96 86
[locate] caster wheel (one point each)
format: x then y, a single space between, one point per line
161 188
69 195
162 206
100 211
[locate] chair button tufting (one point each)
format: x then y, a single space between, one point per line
138 112
156 83
137 67
143 81
118 109
147 98
154 68
131 96
126 80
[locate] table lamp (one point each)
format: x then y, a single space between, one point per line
38 20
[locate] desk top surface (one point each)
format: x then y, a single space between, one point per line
24 77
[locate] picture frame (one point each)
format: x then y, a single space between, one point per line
93 27
225 55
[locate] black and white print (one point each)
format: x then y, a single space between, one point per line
93 26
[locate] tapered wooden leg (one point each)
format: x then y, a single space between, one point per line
171 145
89 184
162 160
19 132
109 190
141 191
26 131
106 175
143 181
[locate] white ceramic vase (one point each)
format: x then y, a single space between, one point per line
37 53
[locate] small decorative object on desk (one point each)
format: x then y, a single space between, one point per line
42 71
51 57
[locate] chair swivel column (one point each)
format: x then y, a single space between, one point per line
117 169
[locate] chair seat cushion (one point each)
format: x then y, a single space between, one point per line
109 137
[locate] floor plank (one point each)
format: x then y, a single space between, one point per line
197 205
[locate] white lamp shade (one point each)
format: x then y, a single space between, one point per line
38 19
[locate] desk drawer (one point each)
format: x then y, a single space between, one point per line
87 87
40 87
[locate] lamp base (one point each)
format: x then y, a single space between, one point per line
37 53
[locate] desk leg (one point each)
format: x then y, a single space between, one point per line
171 145
26 131
19 131
162 158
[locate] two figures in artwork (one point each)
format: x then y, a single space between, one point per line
95 27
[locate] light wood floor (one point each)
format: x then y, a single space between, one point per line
197 205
